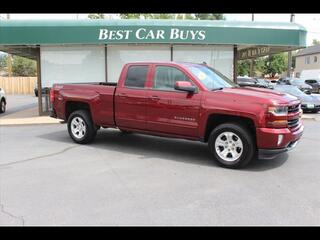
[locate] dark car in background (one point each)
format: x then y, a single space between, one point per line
36 91
263 82
295 82
309 102
251 82
301 85
314 83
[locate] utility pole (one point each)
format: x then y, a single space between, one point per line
290 52
252 60
9 60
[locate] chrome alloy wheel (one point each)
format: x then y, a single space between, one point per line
228 146
78 127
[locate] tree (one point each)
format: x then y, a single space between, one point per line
189 16
162 16
23 67
275 64
315 42
147 16
259 66
96 16
209 16
198 16
243 67
185 16
131 16
3 61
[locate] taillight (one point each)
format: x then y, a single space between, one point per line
51 95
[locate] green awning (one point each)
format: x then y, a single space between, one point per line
50 32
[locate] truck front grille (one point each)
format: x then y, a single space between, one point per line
294 108
292 123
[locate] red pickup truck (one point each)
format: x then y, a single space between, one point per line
184 100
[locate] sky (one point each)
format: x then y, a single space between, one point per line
310 21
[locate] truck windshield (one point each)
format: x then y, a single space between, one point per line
210 78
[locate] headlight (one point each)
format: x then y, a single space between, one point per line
278 110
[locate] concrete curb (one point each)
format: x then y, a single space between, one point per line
315 118
29 121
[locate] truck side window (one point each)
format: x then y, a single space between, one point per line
136 76
165 77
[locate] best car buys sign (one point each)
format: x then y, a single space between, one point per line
147 34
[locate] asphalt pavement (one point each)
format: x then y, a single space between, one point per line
16 103
46 179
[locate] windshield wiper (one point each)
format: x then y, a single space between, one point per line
215 89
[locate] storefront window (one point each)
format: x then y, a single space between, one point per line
218 57
119 55
72 64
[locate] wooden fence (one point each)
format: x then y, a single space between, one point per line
18 85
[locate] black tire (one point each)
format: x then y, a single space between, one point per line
2 106
90 128
249 151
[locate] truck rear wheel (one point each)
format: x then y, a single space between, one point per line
80 127
232 145
2 106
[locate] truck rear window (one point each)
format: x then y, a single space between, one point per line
136 76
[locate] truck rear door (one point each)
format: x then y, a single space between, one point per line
131 97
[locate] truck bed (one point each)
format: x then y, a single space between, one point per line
98 96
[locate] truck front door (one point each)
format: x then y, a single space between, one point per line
171 111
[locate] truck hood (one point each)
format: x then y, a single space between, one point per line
258 95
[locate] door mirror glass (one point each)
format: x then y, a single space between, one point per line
185 86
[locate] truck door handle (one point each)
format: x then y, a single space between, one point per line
154 98
122 95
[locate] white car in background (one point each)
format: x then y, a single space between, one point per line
3 101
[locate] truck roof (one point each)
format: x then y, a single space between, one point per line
165 62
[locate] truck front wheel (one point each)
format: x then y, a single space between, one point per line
80 127
232 145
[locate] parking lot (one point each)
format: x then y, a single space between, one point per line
18 103
46 179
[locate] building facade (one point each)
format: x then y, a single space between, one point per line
308 59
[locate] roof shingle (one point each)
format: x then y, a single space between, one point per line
309 50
